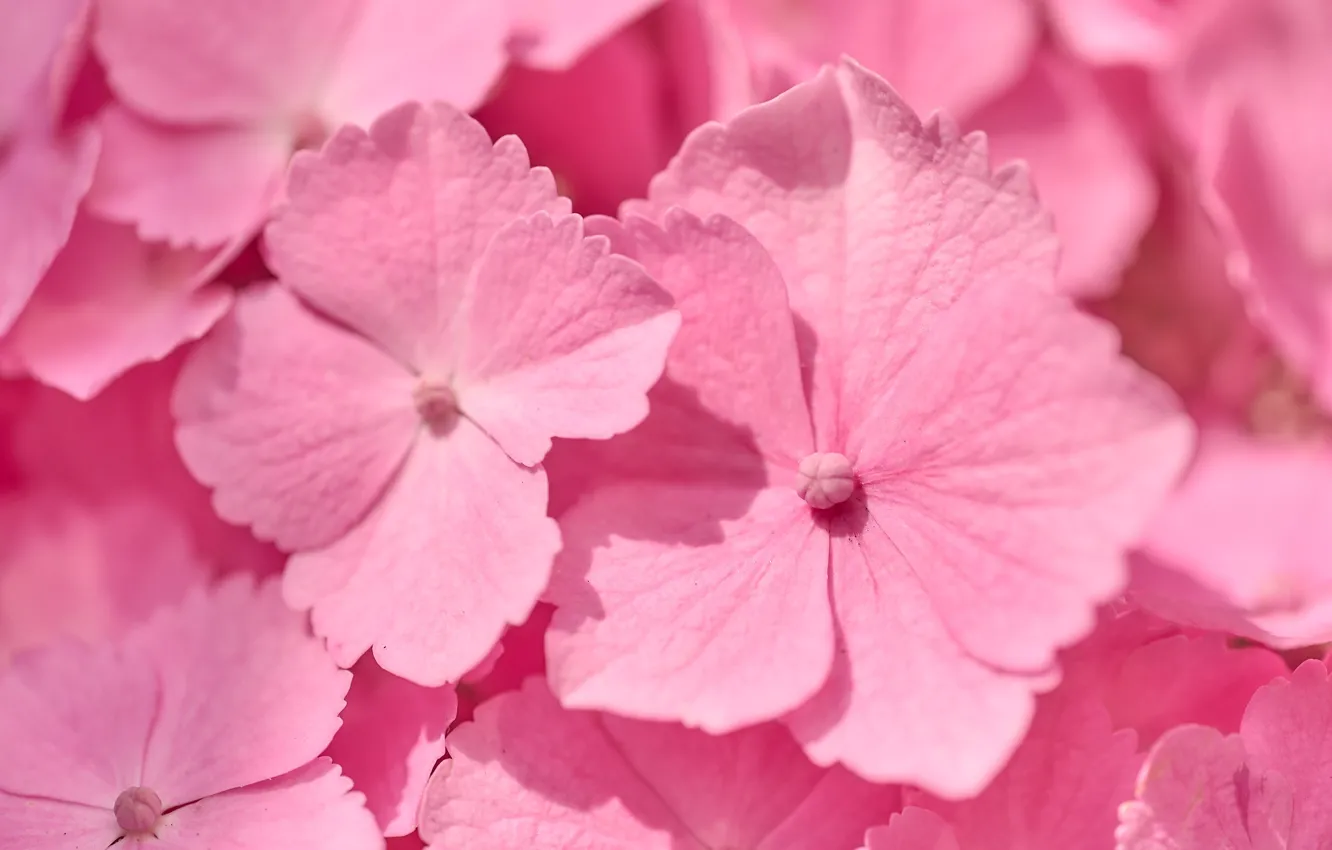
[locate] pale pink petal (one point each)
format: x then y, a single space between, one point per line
1116 32
546 35
1029 500
382 230
902 234
923 712
297 424
42 180
556 324
1250 525
913 828
730 407
70 568
1085 164
432 596
1285 732
246 693
421 50
1185 679
29 41
1195 792
219 61
311 808
392 734
527 772
196 185
74 722
1062 787
110 302
705 603
39 824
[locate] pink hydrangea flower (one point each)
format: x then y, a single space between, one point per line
1060 791
201 729
548 34
392 734
217 95
528 773
384 412
1003 454
44 170
1266 787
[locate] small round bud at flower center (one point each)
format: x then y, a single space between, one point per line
437 405
138 809
825 479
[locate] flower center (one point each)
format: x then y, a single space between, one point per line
437 405
825 479
138 810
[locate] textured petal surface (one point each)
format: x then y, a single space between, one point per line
75 722
705 604
382 230
296 424
926 712
219 60
422 50
36 824
392 734
913 828
575 779
197 186
42 180
562 339
433 596
246 693
110 302
311 808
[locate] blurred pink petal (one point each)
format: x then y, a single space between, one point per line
110 302
547 35
526 772
1087 167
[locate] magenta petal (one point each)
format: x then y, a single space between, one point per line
245 692
913 828
296 424
38 824
459 548
311 808
392 734
703 603
411 206
199 186
556 324
548 36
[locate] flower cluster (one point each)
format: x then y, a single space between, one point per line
671 424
